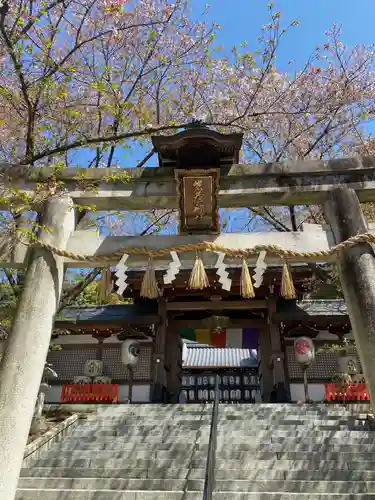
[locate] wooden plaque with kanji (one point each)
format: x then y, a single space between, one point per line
198 200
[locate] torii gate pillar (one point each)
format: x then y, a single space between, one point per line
357 273
25 354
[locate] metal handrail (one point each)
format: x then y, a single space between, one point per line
209 482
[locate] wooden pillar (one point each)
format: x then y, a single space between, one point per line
159 377
357 273
22 366
174 362
277 354
265 369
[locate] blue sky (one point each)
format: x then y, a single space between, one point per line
242 20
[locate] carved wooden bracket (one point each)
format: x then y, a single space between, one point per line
197 192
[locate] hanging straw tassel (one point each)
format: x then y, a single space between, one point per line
149 287
198 278
247 289
287 286
105 285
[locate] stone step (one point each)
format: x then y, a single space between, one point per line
126 430
151 419
200 462
301 433
238 415
290 410
131 472
76 439
178 452
277 418
183 462
251 411
117 484
163 495
118 449
104 430
290 486
116 495
96 484
186 473
292 406
229 446
282 422
325 465
333 438
269 438
164 424
118 445
287 455
266 429
291 426
131 448
134 429
153 414
366 444
285 496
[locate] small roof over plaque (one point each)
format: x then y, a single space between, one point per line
198 147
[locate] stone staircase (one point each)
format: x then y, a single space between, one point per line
264 452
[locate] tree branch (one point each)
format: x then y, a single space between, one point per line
72 294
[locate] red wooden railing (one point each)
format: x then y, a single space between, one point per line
348 392
73 393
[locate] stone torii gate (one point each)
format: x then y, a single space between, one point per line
338 185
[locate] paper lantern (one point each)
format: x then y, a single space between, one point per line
304 350
130 350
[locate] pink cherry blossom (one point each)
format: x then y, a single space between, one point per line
88 72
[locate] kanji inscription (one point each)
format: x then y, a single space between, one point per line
198 204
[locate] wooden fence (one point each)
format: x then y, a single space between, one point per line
347 392
89 393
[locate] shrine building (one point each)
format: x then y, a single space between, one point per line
220 314
242 353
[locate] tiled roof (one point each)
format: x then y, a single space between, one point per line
129 312
287 309
110 313
318 307
196 356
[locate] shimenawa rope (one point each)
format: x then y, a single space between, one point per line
207 246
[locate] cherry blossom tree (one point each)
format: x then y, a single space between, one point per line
82 80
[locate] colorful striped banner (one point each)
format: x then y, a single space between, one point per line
203 336
240 338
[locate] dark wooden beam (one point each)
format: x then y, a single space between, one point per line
217 305
145 321
234 323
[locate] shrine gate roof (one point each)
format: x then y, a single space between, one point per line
147 312
308 310
203 356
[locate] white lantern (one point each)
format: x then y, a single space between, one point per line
304 350
130 350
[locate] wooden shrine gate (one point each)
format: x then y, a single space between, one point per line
89 393
346 392
338 185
